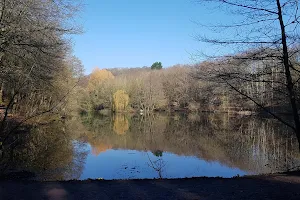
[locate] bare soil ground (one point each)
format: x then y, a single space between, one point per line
278 186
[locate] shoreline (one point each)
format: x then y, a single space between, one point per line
255 176
273 186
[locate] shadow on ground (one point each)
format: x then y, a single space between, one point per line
257 187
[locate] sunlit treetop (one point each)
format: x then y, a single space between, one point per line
98 76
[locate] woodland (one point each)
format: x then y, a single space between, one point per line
41 80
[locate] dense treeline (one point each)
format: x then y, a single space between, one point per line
192 87
37 70
254 84
38 78
147 89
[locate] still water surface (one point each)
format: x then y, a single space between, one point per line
159 146
124 147
132 164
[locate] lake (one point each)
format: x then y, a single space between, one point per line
156 146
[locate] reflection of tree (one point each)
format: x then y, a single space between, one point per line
99 148
48 151
158 153
121 124
102 129
158 165
249 143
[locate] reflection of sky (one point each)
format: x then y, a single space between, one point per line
128 164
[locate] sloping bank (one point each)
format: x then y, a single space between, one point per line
276 186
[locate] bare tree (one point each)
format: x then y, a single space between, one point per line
35 55
267 34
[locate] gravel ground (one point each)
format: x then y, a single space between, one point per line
280 186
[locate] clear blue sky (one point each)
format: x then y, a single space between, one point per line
136 33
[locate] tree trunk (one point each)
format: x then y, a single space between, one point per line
289 80
1 94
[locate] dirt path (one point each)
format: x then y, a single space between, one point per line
258 187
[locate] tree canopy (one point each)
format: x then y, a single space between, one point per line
38 73
121 100
156 65
99 76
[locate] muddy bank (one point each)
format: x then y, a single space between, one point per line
279 186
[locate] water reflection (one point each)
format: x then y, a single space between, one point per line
121 124
251 145
157 146
48 152
132 164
